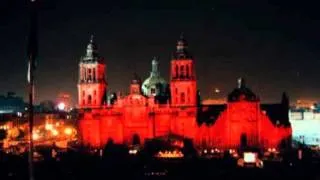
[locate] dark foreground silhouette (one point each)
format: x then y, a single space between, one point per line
116 163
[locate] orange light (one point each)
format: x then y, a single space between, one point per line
48 126
35 136
68 131
55 132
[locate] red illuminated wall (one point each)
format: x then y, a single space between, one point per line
137 115
92 85
242 119
183 84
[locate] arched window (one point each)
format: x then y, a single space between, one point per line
182 98
177 71
182 73
89 74
89 100
187 71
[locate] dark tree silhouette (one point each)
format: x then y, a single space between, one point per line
188 148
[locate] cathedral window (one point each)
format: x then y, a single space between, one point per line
187 71
89 99
182 98
89 75
83 93
182 74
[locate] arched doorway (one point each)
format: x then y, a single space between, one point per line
136 139
89 99
243 140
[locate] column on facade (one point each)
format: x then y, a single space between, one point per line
85 73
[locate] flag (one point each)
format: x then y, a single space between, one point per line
32 47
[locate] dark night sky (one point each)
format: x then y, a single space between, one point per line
275 46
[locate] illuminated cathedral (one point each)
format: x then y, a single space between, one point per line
155 109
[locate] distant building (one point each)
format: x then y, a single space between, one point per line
305 126
11 104
240 122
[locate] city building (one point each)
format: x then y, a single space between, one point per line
155 108
11 104
305 124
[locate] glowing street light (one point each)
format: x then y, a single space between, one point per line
48 126
68 131
35 136
55 132
61 106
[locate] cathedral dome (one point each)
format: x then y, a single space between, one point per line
242 93
154 85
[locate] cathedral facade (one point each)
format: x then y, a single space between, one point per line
155 108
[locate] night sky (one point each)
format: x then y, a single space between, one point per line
273 45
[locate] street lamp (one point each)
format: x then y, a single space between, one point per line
61 106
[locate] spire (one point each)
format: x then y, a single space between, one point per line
182 44
155 67
92 49
241 83
91 38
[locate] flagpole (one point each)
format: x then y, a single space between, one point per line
30 155
32 53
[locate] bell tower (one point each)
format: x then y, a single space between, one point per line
92 85
183 85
